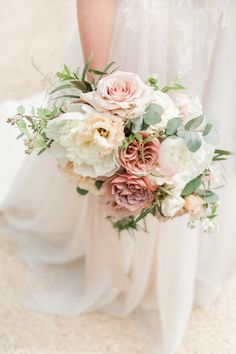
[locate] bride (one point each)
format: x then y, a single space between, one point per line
75 261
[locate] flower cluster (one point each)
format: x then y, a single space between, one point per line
141 149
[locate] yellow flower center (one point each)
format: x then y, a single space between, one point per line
103 132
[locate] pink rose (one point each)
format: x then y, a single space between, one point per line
127 194
122 93
140 156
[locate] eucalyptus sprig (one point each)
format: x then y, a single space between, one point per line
34 127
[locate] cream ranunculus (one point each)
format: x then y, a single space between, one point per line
122 93
189 106
175 154
172 204
88 139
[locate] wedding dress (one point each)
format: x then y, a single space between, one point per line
76 263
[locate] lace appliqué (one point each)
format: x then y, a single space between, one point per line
196 23
150 8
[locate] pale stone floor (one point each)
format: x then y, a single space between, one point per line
41 29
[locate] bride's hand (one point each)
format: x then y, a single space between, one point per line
96 20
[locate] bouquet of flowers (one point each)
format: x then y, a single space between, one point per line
140 149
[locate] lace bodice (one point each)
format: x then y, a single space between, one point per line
180 33
154 9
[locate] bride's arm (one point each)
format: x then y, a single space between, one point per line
95 19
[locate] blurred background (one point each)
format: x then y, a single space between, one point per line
38 29
42 29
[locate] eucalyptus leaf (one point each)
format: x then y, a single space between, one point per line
193 141
209 197
194 123
21 110
137 124
192 186
22 126
212 138
207 129
153 114
173 125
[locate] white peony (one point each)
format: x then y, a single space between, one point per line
88 139
172 204
175 155
189 106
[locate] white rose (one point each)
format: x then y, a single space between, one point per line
174 154
88 139
172 204
189 106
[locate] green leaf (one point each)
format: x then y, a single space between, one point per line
67 70
153 114
212 137
23 128
64 76
40 142
62 87
84 86
21 110
207 129
193 141
109 66
173 125
82 191
97 72
194 123
66 96
174 85
221 155
222 152
99 184
144 126
208 196
87 66
192 186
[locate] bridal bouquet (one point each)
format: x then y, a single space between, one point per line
140 149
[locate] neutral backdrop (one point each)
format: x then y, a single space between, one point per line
41 29
37 30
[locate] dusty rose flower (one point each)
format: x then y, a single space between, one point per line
127 194
140 156
193 203
122 93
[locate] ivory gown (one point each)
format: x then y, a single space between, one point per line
76 263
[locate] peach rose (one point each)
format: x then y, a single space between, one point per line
140 156
123 93
127 194
193 204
